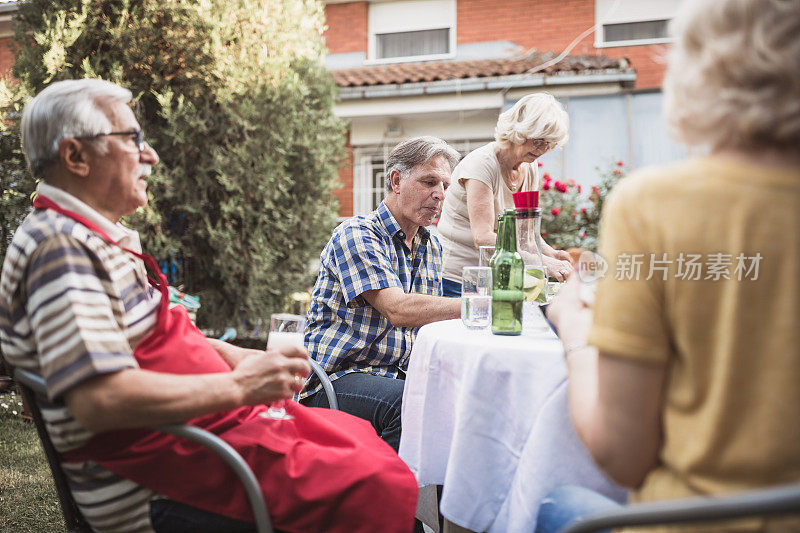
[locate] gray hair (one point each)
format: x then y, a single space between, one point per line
733 77
64 109
534 116
417 151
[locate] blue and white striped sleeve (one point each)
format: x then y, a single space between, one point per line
76 333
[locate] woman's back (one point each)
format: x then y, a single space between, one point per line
718 241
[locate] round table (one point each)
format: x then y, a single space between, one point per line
486 417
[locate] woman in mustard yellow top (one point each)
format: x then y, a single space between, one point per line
684 377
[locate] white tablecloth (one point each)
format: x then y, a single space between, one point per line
486 416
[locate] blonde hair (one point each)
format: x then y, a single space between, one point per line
733 79
535 116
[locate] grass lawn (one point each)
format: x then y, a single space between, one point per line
28 500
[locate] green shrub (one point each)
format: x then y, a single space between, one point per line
234 97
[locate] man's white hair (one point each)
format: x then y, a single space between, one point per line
733 79
535 116
64 109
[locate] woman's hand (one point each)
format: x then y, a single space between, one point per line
558 262
569 313
557 268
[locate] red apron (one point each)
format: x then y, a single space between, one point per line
322 471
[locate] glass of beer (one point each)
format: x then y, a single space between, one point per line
284 330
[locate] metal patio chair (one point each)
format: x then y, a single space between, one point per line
779 500
32 386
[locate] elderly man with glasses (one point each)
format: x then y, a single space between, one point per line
79 307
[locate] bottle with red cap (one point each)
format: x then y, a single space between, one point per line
529 220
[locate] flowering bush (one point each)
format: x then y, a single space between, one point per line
571 218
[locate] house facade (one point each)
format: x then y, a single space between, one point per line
449 67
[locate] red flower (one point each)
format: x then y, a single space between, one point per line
544 234
546 176
596 189
617 172
583 235
560 187
583 210
546 186
571 182
620 164
555 211
539 164
579 189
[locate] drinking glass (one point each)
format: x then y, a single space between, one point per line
476 297
590 268
284 330
484 254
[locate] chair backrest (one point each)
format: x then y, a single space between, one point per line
327 386
32 386
73 518
765 502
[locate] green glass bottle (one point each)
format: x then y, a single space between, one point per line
508 272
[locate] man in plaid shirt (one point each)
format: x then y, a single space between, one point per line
380 280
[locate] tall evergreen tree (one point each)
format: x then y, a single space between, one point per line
233 96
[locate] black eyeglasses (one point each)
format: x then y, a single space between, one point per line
139 137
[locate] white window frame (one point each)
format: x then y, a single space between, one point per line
419 24
622 15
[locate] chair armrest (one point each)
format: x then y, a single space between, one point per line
764 502
327 386
234 461
32 381
200 436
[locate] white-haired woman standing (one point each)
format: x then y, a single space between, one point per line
684 382
484 181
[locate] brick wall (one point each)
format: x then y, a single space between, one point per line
649 61
346 27
547 25
345 193
6 58
550 26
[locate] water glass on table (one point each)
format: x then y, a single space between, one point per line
476 297
284 330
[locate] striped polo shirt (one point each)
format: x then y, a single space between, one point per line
73 306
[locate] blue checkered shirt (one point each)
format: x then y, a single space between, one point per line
344 333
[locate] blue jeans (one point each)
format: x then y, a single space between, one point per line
450 288
169 516
376 399
566 504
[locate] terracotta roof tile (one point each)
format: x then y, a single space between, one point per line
450 70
